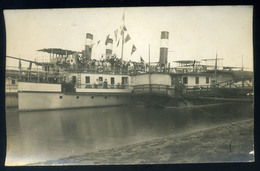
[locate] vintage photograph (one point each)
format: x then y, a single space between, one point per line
132 85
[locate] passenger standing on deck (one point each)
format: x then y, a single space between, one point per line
105 84
118 85
96 84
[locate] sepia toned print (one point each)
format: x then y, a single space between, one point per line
146 85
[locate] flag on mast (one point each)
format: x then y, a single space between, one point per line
141 59
106 39
127 38
133 49
123 29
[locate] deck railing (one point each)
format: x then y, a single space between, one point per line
9 88
153 88
103 86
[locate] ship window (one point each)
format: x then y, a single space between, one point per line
60 97
77 97
124 80
74 79
207 80
112 80
87 78
100 78
92 97
13 81
197 80
185 80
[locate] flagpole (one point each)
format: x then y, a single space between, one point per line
122 51
123 37
149 69
20 68
216 67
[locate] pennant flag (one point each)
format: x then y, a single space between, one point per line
106 39
116 31
133 49
141 59
118 43
124 28
20 64
98 42
127 38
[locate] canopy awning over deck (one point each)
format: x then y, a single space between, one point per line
58 51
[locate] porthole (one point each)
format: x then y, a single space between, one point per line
60 97
77 97
92 97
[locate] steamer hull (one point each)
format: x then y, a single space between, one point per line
39 98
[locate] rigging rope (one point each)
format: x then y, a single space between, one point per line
208 113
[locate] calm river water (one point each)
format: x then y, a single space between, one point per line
47 135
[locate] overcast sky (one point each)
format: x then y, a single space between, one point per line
195 33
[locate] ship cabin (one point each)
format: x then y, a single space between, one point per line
189 66
11 80
100 80
60 60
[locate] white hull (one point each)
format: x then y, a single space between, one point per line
50 101
40 99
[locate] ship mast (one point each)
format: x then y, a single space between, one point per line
123 37
216 67
122 50
149 70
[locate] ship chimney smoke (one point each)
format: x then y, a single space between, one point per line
88 46
164 48
109 47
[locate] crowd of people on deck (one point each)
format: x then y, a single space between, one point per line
111 63
104 85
